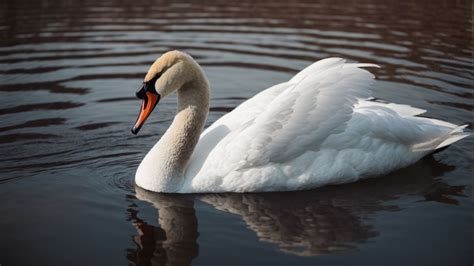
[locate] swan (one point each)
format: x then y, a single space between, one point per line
321 127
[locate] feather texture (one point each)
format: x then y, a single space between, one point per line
319 128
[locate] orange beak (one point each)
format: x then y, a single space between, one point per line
149 101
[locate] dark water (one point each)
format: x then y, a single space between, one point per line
68 73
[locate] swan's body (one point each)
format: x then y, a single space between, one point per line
319 128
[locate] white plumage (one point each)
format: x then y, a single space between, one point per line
319 128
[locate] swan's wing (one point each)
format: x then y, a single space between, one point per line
248 110
243 114
401 109
317 103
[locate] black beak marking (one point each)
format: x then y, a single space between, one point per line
141 93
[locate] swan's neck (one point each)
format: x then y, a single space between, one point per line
163 167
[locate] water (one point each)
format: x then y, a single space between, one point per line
68 73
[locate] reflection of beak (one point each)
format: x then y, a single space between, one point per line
149 101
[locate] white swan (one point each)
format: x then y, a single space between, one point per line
318 128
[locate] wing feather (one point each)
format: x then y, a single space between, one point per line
316 103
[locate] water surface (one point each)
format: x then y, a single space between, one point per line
68 73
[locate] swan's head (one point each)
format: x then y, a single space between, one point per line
167 74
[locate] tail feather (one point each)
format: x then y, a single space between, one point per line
456 134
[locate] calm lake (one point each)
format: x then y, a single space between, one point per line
68 75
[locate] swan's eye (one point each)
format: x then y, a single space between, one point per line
154 79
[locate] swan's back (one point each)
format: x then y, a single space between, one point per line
313 130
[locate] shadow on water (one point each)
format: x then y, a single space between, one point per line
303 223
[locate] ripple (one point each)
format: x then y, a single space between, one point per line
36 123
117 99
251 65
468 107
47 166
40 106
96 126
51 87
30 70
25 136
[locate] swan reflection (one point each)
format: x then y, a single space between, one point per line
303 223
174 242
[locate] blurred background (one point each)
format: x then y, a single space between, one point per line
68 75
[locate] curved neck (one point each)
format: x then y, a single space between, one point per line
183 134
163 167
